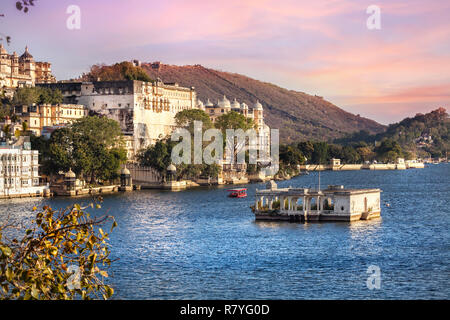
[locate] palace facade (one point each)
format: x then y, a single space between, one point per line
256 113
22 71
145 110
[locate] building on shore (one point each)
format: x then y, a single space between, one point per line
38 117
22 71
19 170
256 113
145 110
301 204
336 165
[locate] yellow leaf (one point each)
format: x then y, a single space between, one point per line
103 273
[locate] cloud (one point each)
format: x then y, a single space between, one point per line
321 47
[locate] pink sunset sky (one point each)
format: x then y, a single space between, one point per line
319 47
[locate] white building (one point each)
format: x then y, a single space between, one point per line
256 113
19 172
301 204
145 110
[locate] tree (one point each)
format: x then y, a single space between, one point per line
291 155
28 96
210 170
389 150
120 71
320 153
365 153
157 156
233 120
40 263
187 117
307 149
350 155
91 146
6 130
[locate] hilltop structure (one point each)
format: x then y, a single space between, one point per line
22 71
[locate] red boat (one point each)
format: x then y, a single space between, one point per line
238 193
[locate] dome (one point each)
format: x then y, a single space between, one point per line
235 104
224 103
171 168
209 104
26 55
70 174
244 106
2 49
258 106
125 171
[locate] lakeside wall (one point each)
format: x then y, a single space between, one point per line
372 166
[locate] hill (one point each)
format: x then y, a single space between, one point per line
298 115
423 135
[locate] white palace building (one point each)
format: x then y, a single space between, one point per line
301 204
19 171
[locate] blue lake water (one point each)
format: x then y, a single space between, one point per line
199 244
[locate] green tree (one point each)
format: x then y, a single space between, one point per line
233 120
92 146
320 153
39 264
210 170
38 95
157 156
25 96
186 119
389 150
291 155
7 131
307 149
350 155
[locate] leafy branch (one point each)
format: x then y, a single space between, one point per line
39 265
22 5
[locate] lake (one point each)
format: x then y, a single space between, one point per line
200 244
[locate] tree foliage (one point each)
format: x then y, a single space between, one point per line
120 71
92 147
413 135
157 156
233 120
187 117
37 95
38 261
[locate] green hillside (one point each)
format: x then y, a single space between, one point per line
424 135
